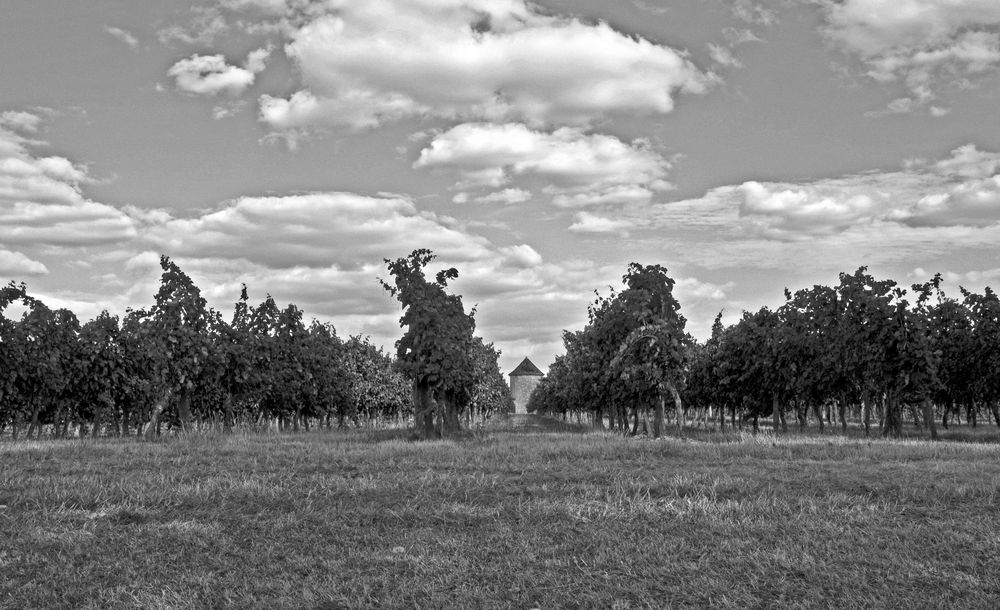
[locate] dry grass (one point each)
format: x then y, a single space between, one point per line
503 519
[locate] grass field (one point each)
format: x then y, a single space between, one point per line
502 519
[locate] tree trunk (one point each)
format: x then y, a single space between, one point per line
34 422
95 431
658 417
944 416
866 412
678 406
153 425
184 409
893 423
972 414
423 410
842 413
996 412
929 418
126 422
451 422
819 410
775 412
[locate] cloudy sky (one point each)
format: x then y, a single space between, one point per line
291 145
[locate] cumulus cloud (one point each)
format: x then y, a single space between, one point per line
960 190
210 75
21 121
920 43
579 169
522 255
16 265
41 202
505 197
585 222
316 229
363 64
689 289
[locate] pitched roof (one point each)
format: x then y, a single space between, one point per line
527 367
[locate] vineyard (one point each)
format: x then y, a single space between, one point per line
601 509
864 355
179 366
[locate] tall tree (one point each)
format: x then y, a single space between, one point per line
435 351
656 348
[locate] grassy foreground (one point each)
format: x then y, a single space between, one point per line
508 519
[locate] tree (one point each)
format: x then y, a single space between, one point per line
45 352
435 351
102 372
176 332
377 388
656 347
490 394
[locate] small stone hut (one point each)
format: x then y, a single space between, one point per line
523 381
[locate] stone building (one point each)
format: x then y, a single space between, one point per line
523 381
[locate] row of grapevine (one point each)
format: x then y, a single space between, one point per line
178 365
865 351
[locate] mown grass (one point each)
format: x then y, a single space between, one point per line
500 519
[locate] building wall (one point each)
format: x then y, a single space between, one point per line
521 387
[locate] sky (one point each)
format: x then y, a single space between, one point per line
539 147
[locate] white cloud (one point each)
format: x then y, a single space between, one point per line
689 289
969 162
506 197
268 7
122 35
579 169
17 120
918 42
363 64
210 75
257 60
317 229
962 189
614 195
522 256
585 222
927 212
41 202
15 265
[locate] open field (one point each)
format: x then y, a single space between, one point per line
507 519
